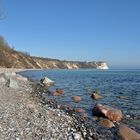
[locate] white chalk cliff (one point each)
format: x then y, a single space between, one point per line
102 65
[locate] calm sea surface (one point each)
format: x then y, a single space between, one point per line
111 84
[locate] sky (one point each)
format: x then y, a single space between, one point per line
85 30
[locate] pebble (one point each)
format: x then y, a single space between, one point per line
46 122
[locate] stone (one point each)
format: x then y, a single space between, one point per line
127 133
2 80
56 93
46 81
106 123
112 114
77 136
76 98
12 83
79 110
60 91
64 106
96 96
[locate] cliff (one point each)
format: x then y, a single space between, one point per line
10 58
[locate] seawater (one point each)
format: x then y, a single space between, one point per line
110 83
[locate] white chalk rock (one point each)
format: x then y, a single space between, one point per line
47 81
12 83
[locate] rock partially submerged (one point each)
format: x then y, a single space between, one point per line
60 91
127 133
80 110
96 96
46 81
57 92
112 114
76 98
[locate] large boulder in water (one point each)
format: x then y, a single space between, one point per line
112 114
127 134
46 81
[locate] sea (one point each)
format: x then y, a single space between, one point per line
119 88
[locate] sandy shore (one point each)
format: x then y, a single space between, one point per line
26 116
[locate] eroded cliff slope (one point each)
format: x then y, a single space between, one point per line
10 58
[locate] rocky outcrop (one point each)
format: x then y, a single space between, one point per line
10 58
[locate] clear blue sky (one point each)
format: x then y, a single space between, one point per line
75 29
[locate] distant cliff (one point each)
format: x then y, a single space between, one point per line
10 58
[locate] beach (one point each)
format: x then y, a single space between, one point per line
26 115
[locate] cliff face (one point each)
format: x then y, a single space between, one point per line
9 58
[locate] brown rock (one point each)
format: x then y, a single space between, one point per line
107 123
128 134
79 110
56 93
96 96
60 91
112 114
76 98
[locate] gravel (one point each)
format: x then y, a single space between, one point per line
26 115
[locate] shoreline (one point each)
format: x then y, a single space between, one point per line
49 117
28 116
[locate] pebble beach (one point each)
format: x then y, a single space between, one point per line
26 115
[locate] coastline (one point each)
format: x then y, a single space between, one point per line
36 117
